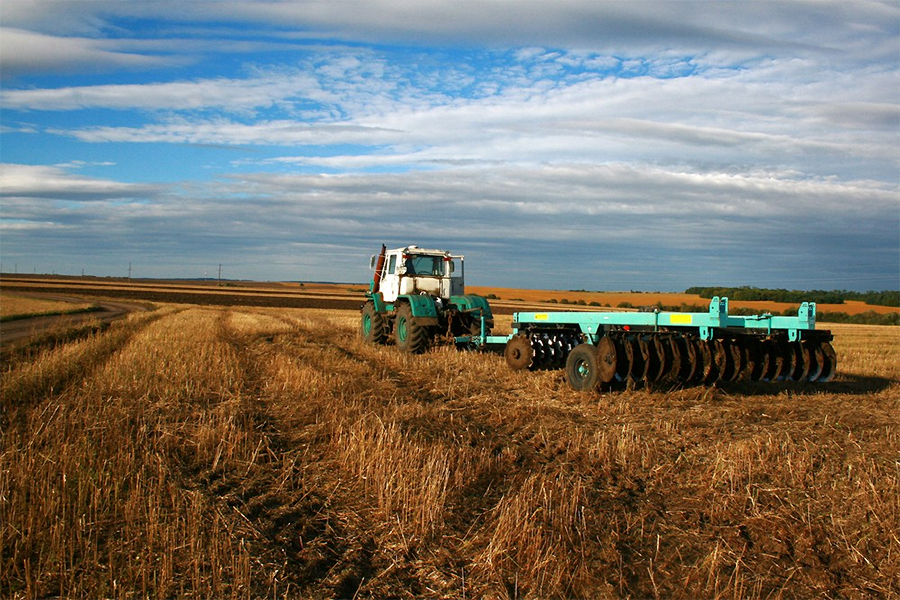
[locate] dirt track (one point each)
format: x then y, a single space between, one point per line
11 331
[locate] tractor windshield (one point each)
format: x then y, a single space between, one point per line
425 265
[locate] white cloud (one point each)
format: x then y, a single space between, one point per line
27 51
56 183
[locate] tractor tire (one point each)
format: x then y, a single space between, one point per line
583 368
372 326
408 335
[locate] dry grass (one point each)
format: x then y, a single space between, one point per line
262 452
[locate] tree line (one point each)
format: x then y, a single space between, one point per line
883 298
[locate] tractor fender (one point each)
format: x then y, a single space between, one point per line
470 301
378 300
423 308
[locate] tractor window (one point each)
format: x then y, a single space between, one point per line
392 264
425 265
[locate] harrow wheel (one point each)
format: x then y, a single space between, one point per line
583 367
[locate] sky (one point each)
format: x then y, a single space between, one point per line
572 144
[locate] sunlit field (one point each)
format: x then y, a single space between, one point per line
14 306
250 452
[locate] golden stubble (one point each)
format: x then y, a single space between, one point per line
241 452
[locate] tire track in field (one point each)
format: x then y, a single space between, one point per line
307 525
303 511
280 506
32 382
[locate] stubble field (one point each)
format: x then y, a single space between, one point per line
261 452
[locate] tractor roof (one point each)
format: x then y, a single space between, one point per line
413 249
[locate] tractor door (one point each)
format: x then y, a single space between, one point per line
457 277
390 283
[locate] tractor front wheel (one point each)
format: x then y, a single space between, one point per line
372 324
409 336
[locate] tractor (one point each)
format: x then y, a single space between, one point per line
417 299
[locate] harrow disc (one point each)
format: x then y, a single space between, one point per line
519 353
685 352
815 354
757 360
786 353
607 359
706 363
801 362
771 349
829 363
653 359
637 366
666 359
721 358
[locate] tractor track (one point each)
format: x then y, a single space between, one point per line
296 507
284 502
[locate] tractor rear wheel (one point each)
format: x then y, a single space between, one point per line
372 324
409 335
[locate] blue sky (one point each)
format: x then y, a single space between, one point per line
560 145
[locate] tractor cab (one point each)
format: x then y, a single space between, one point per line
413 271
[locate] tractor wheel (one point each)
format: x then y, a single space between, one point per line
372 324
409 336
583 368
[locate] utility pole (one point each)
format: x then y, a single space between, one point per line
220 274
129 271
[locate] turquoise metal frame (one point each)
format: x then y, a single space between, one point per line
594 325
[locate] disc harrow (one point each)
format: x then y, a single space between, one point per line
610 348
680 358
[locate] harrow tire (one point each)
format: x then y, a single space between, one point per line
583 368
408 335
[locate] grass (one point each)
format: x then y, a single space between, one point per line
241 452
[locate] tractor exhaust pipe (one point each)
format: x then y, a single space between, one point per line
379 267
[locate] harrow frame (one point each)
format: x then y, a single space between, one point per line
667 346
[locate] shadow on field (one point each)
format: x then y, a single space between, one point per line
849 385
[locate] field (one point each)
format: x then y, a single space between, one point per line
211 451
349 296
14 306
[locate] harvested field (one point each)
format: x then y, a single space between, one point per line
259 452
351 296
14 306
